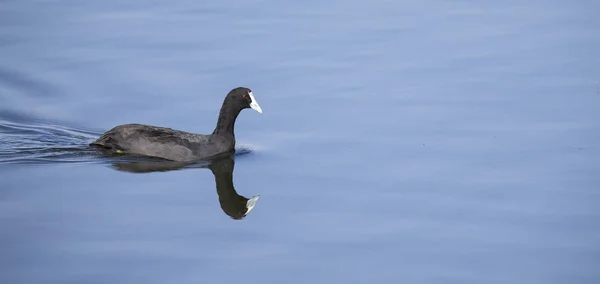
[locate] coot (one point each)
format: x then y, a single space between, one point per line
176 145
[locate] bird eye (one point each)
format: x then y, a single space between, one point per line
246 95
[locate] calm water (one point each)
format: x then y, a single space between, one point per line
401 142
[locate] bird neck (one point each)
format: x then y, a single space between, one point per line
226 121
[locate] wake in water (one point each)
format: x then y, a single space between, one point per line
27 141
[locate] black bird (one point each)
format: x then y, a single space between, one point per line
176 145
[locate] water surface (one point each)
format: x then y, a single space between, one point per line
423 141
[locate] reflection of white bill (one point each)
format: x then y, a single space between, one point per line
251 202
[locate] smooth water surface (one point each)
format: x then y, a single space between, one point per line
400 142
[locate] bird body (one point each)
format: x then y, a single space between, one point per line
177 145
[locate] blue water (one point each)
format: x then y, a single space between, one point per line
400 142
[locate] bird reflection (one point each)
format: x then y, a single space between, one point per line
233 204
